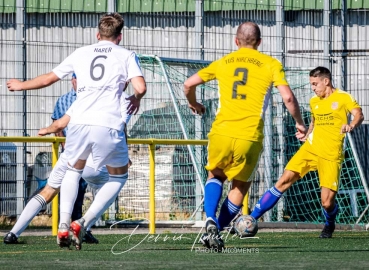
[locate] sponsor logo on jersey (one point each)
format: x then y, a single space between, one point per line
334 106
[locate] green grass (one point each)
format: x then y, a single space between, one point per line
302 250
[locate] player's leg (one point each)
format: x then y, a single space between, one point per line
78 205
329 172
272 196
33 207
36 203
245 158
109 148
95 179
299 165
107 194
77 149
219 155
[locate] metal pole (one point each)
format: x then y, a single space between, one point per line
344 45
20 104
327 33
199 121
112 6
199 29
280 110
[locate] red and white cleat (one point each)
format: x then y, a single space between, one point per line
63 239
78 231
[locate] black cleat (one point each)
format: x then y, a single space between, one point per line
10 238
213 236
89 238
204 240
327 231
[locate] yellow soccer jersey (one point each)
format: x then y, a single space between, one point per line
244 79
330 114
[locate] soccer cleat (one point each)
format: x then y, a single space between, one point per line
10 238
214 238
327 231
78 231
204 240
89 238
63 239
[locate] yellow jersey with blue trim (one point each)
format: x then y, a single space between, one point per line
330 114
244 79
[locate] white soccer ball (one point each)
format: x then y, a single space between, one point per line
246 226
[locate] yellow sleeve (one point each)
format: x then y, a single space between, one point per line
209 73
351 103
279 77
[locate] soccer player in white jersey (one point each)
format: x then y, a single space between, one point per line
96 126
96 179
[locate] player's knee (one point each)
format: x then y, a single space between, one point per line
328 205
286 180
122 178
49 193
75 169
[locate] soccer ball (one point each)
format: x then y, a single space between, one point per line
246 226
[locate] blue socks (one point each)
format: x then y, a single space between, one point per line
267 201
330 217
227 213
213 193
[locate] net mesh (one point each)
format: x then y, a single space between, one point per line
165 115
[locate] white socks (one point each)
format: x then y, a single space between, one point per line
68 194
32 208
104 198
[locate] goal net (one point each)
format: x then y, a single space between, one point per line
180 173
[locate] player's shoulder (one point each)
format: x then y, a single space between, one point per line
268 58
314 98
344 95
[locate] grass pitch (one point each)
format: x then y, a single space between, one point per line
298 250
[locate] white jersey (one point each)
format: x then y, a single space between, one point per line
123 108
102 70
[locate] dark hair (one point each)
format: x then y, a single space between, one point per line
74 76
111 25
321 72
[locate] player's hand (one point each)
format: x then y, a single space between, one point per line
301 132
42 132
134 104
346 129
301 136
14 85
197 108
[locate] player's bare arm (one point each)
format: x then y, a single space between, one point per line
292 106
139 86
301 136
55 127
190 93
357 113
41 81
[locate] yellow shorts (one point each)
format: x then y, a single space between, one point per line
236 157
328 171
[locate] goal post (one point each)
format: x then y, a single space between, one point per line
180 174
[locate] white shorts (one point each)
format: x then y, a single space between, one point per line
106 145
95 178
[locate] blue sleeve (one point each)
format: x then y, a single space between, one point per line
57 110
